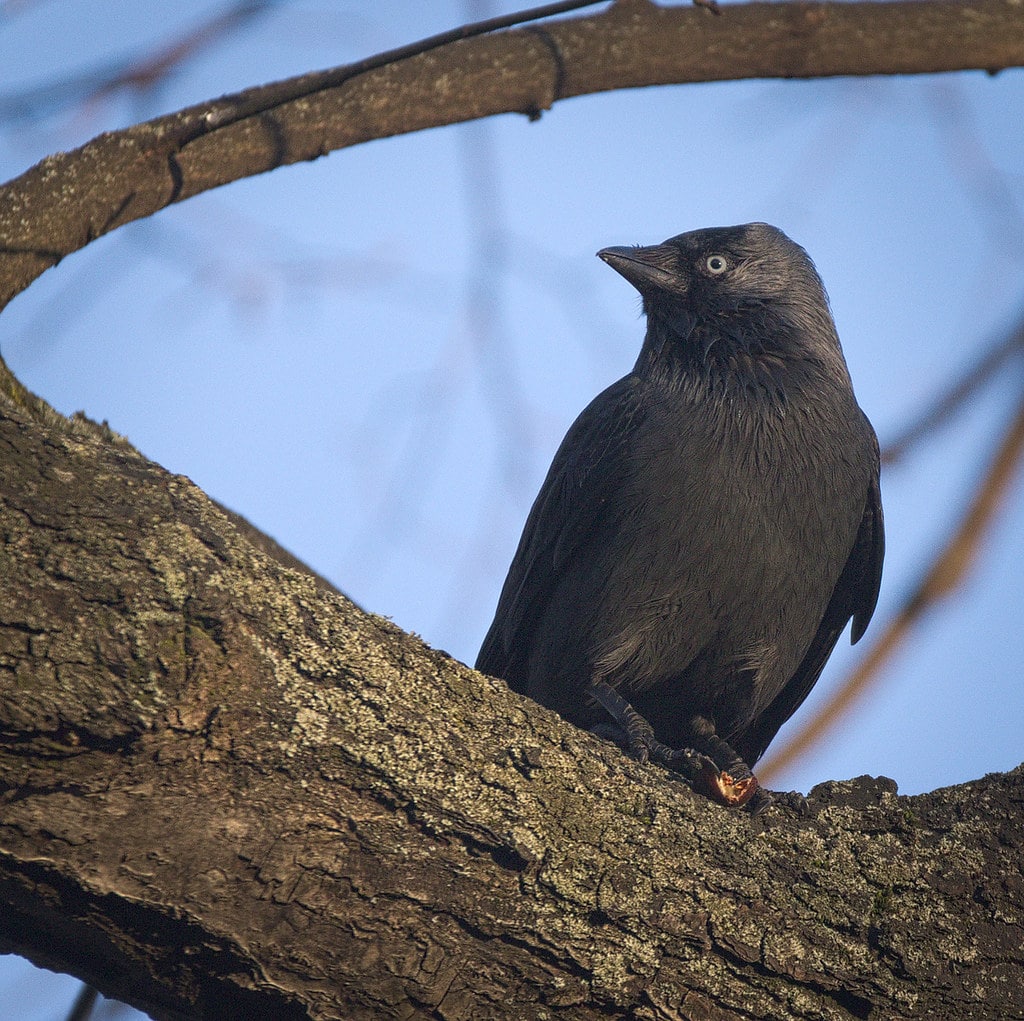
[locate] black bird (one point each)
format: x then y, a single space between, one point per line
709 524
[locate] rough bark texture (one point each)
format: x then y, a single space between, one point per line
225 792
71 198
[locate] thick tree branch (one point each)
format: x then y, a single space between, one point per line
226 792
69 199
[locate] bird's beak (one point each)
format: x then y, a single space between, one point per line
654 267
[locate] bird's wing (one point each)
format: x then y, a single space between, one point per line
587 468
855 595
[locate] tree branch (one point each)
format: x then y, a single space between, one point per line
987 366
226 792
72 198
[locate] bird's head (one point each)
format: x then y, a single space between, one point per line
721 293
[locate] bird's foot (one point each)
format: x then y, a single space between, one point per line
632 730
731 787
638 739
735 786
732 784
793 800
698 769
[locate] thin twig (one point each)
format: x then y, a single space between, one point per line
81 1009
946 572
144 74
986 367
137 74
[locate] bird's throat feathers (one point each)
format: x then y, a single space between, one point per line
759 352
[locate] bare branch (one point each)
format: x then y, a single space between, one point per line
69 199
991 362
138 74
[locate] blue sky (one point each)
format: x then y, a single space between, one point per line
374 356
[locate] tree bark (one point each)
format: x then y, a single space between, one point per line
226 792
72 198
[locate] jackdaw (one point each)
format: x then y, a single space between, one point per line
709 524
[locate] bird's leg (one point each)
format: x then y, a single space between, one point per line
642 743
711 765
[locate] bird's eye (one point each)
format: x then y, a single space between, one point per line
716 264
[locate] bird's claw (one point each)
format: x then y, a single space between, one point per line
727 789
734 787
793 800
732 784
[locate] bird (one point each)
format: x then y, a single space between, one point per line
710 523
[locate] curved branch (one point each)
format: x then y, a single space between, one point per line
227 793
70 199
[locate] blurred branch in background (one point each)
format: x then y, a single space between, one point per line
951 566
141 74
10 9
138 74
992 191
85 1001
986 368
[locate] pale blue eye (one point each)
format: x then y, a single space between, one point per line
716 264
